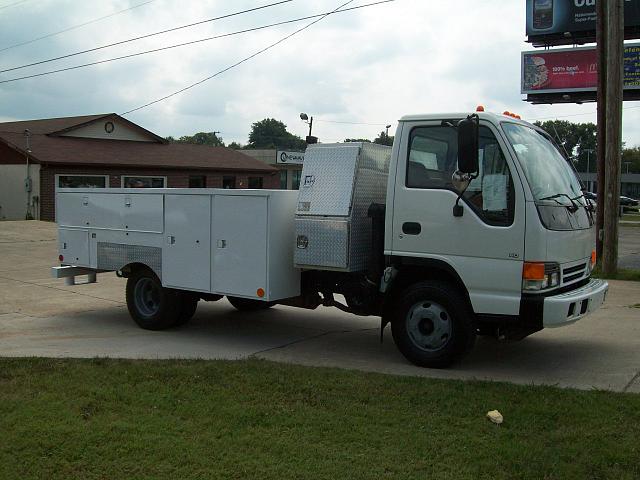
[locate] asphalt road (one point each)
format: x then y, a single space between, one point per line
40 316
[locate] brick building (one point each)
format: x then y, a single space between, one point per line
107 150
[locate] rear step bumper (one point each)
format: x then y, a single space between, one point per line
69 273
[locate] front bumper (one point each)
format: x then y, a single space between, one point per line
568 307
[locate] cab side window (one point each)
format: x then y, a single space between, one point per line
433 158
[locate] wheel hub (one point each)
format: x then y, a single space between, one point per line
429 326
147 297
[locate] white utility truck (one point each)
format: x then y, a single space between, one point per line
470 225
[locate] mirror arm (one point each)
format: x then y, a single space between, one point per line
458 211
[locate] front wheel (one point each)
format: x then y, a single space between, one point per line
152 306
432 325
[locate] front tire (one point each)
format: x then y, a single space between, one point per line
432 324
152 306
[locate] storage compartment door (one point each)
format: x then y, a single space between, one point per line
186 254
326 186
73 245
322 243
239 245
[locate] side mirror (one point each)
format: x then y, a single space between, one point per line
468 144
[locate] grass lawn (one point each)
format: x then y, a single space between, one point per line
629 274
86 419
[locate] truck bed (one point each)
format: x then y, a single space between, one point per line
219 241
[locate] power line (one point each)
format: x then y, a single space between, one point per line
75 67
49 35
246 59
12 4
144 36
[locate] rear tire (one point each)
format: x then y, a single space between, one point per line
249 305
189 306
152 306
432 324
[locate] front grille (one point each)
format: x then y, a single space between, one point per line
571 274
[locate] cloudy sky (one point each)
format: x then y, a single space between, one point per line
368 67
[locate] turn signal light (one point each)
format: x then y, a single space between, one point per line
537 276
593 259
260 292
533 271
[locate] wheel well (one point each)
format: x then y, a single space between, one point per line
130 268
411 271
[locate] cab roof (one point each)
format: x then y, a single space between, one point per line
488 116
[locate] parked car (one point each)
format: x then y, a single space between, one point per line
628 201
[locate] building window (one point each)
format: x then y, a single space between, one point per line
197 181
255 182
295 180
229 181
82 181
283 179
144 182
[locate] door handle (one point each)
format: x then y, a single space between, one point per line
171 240
411 228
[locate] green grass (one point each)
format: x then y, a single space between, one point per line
632 275
90 419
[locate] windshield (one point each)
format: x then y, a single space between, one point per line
548 173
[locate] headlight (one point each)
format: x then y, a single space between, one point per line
538 276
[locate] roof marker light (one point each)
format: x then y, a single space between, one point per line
480 108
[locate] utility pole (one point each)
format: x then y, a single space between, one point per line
601 47
614 11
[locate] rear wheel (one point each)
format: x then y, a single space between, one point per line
152 306
249 305
432 324
189 306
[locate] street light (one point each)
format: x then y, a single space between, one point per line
306 119
388 127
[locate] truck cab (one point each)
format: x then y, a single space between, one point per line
519 253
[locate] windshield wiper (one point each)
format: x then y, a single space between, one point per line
574 206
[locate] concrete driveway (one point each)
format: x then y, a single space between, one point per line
40 316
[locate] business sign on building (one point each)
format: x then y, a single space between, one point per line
562 72
293 158
566 22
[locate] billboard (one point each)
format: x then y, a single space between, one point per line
566 22
293 158
570 70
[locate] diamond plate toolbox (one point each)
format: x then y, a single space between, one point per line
339 182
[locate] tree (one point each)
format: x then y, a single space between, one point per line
631 156
384 139
578 140
272 133
200 138
235 146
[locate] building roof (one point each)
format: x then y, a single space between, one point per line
47 147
